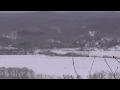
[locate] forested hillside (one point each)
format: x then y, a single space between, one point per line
51 29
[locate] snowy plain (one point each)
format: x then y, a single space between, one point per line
58 65
91 53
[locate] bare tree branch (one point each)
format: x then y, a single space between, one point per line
75 68
116 59
92 66
109 71
116 70
110 68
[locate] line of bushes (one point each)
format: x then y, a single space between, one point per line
25 73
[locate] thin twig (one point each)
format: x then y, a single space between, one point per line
92 66
75 68
116 71
110 68
116 59
109 71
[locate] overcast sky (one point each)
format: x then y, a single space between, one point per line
15 11
28 11
54 11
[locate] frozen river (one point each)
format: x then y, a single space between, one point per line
57 65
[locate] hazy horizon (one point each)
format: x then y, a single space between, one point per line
51 11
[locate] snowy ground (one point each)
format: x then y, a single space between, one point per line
110 52
90 53
57 65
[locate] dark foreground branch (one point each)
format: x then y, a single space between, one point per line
110 68
92 66
75 68
116 59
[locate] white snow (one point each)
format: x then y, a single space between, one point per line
57 65
99 53
91 33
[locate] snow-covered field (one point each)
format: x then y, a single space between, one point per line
57 65
91 52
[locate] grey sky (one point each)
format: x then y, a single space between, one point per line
54 11
28 11
15 11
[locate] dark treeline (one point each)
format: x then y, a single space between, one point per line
16 73
25 73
